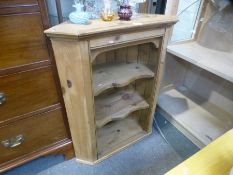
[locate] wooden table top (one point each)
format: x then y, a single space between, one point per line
100 27
214 159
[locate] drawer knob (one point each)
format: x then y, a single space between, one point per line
116 38
2 98
13 142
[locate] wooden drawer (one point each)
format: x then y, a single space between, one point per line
124 38
27 92
22 40
16 3
36 132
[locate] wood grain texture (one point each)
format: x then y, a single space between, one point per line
117 134
98 28
117 106
45 20
27 92
123 38
160 58
216 158
25 45
30 83
118 75
124 46
88 66
61 147
16 7
17 3
111 56
19 10
143 54
132 54
43 135
101 58
78 95
121 55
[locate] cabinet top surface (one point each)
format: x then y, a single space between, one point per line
68 29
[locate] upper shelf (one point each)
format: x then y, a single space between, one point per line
216 62
117 75
117 106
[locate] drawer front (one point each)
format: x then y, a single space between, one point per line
124 38
27 92
22 40
31 134
16 3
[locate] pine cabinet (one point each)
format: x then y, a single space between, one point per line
110 74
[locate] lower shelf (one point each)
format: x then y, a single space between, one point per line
117 135
117 106
200 121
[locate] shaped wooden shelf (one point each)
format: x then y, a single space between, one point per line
117 106
214 61
117 135
118 75
200 121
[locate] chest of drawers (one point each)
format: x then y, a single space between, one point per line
33 120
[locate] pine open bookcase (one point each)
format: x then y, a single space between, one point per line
110 74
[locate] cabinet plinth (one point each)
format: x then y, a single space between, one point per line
110 77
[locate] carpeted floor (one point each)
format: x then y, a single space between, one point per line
36 166
151 156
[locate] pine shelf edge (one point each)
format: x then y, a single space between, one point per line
108 76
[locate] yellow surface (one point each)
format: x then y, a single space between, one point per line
215 159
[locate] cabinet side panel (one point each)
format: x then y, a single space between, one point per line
74 69
159 73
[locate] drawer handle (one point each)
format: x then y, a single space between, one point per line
13 142
2 98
